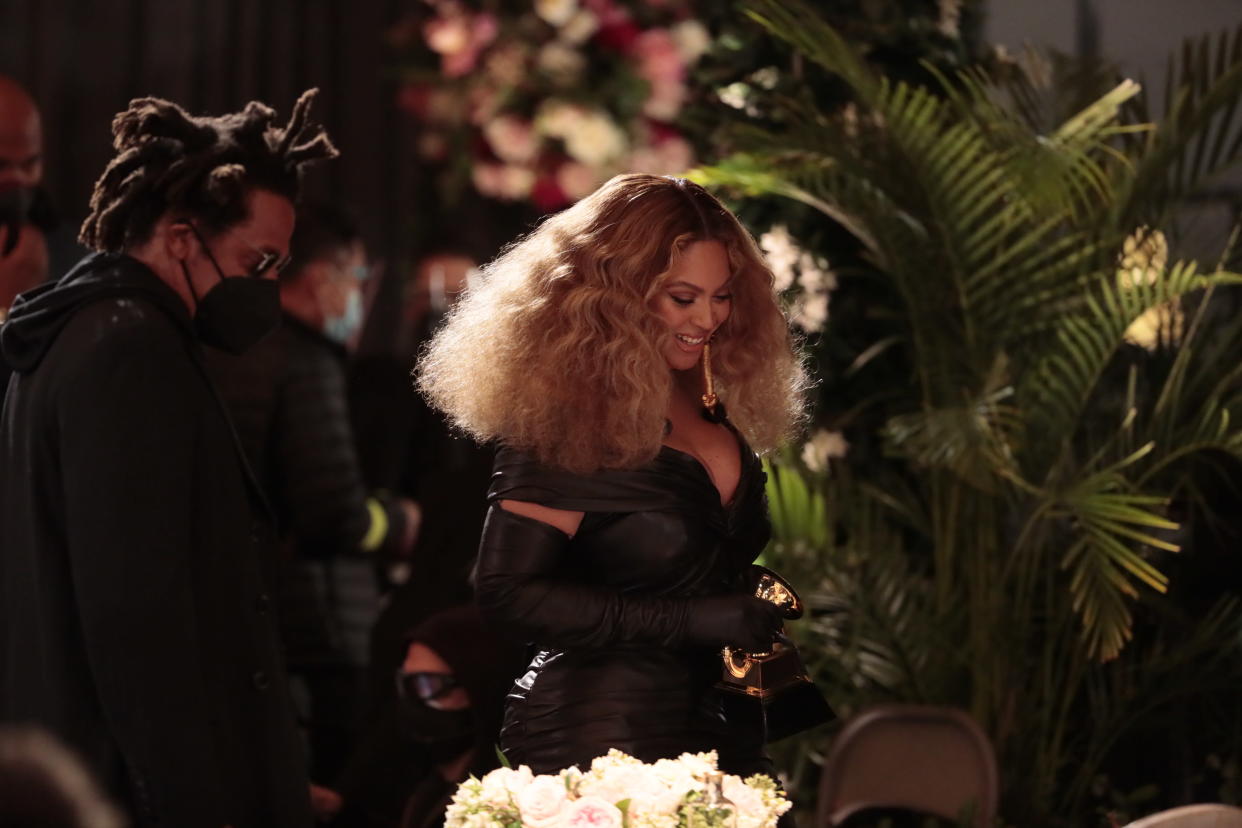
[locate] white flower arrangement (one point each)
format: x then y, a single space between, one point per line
619 791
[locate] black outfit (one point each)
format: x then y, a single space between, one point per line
625 657
134 617
288 397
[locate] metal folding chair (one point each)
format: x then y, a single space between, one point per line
932 760
1208 815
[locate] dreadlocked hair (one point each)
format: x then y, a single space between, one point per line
168 160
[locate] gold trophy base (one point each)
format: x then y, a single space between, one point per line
761 675
774 686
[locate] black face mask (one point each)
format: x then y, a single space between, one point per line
445 734
237 311
24 205
14 212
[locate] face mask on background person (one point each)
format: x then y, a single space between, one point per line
341 327
14 211
445 734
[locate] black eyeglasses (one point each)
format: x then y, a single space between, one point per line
267 259
267 262
425 686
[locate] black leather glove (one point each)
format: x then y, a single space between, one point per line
740 620
519 589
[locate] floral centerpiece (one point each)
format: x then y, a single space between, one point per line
619 791
544 101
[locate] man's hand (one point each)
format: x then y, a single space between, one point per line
413 514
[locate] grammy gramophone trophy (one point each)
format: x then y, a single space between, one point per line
776 682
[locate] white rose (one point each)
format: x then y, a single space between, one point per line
614 783
499 785
580 27
652 799
562 63
692 40
542 801
558 118
512 139
487 178
592 812
595 139
516 182
556 12
677 777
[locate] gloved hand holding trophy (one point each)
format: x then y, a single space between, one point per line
777 681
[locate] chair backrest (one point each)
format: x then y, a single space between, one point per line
1208 815
934 760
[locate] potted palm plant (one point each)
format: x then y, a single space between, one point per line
1065 379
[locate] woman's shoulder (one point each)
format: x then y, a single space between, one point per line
659 484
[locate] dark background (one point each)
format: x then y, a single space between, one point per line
84 60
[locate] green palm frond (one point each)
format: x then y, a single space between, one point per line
1109 518
803 29
798 513
974 441
1199 136
1086 339
783 174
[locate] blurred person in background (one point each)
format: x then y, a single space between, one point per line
43 785
408 448
451 689
288 398
25 214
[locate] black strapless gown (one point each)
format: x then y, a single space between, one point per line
662 531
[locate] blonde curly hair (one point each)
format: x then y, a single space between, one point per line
554 349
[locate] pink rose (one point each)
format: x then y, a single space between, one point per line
592 812
512 139
542 801
665 100
577 180
659 59
459 38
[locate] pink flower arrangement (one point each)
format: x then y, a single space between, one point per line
546 103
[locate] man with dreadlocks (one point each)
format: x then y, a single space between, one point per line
134 616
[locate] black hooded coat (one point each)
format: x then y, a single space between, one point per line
134 616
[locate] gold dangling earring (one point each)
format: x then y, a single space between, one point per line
709 398
713 409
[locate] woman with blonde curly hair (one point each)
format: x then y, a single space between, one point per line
625 505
